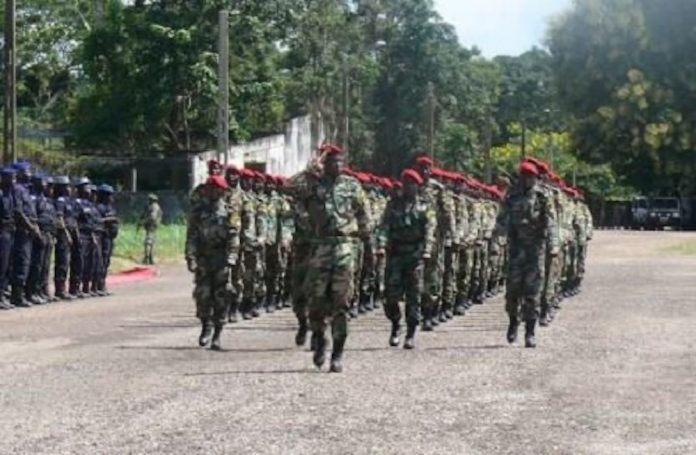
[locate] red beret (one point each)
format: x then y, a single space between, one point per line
413 175
331 149
362 177
387 184
260 176
528 168
213 163
542 166
248 173
231 169
398 184
217 181
425 161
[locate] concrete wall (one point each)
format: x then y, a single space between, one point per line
280 154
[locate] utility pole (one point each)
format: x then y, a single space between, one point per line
523 149
431 102
346 105
10 121
223 136
488 143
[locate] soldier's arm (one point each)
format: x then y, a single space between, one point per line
589 221
430 229
447 211
362 213
383 231
550 227
191 250
502 222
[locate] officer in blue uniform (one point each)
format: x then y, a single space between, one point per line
80 231
43 244
109 219
50 226
66 225
27 231
86 223
8 227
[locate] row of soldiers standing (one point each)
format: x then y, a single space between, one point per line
337 242
43 217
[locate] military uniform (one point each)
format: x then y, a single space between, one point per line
338 218
528 221
66 225
109 218
150 221
210 240
8 228
408 235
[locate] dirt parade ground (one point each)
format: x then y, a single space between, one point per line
614 374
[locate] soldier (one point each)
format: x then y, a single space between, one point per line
301 250
65 222
234 201
338 218
286 231
209 255
436 195
272 202
109 218
87 224
584 233
452 242
252 247
468 249
407 236
8 227
27 232
150 220
527 221
42 244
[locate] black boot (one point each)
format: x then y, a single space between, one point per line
529 340
410 342
544 317
215 344
319 342
337 355
427 321
512 330
459 307
60 292
367 302
301 337
18 299
395 332
206 331
353 311
270 304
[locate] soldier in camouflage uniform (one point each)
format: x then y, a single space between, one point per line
435 194
301 251
234 199
286 230
584 235
475 293
407 234
210 240
527 220
468 249
272 204
338 217
453 249
150 221
252 243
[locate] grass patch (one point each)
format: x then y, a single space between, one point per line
686 248
169 248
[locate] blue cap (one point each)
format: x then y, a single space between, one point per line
62 180
49 180
82 181
38 177
22 166
106 189
8 171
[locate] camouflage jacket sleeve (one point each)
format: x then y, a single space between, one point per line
362 213
430 230
550 221
383 227
502 222
248 219
191 250
447 212
234 209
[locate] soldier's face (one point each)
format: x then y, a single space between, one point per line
410 189
424 171
528 181
214 170
333 166
246 184
232 180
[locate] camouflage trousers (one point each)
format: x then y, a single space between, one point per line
477 273
525 280
368 273
497 267
331 284
449 280
236 287
467 257
432 278
380 276
149 246
404 279
301 252
549 292
581 257
273 271
253 279
570 273
211 290
358 254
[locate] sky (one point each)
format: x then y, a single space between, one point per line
500 27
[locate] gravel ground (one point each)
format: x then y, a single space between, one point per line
614 374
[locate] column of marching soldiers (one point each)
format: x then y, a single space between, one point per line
334 243
42 217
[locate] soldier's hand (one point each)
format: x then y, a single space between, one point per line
554 251
381 252
232 259
426 257
191 265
